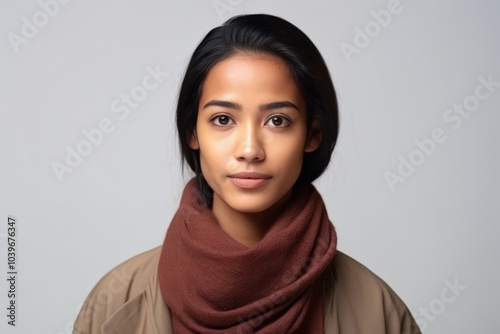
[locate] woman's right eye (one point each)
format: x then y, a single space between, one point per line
222 120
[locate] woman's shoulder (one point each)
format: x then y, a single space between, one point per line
360 301
131 276
130 284
349 271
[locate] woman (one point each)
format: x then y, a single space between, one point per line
251 248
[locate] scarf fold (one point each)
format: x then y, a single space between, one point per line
213 284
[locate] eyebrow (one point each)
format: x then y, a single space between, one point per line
262 107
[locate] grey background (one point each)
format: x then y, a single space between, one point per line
440 224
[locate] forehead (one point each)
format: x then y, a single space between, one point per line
245 74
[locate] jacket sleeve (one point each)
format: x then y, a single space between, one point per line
108 295
119 294
360 302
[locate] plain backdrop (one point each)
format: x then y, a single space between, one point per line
401 80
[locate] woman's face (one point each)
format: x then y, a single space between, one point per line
251 132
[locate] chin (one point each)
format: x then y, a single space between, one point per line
254 203
249 207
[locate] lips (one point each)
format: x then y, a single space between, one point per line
249 180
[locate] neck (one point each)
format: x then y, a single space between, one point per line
247 228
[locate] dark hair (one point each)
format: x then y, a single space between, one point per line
263 34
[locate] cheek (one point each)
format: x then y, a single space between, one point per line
215 155
287 147
291 154
207 159
287 157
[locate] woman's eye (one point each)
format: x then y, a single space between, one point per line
278 121
222 120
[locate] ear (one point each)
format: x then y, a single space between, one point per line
193 142
314 138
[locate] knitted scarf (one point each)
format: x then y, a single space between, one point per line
213 284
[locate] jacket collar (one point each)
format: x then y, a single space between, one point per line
145 313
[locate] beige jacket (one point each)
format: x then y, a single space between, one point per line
128 300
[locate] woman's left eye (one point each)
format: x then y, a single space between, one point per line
278 121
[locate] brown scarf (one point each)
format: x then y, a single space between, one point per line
213 284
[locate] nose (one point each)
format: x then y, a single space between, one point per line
249 145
